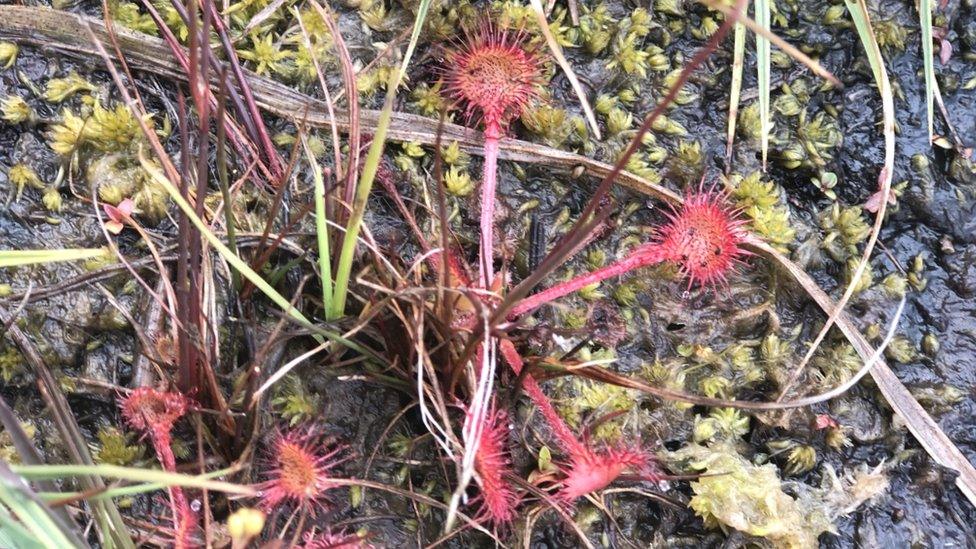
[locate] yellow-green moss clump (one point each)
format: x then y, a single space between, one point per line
11 363
550 123
845 228
15 110
738 494
8 54
114 448
119 176
762 203
598 400
749 498
727 424
293 402
8 452
58 90
23 176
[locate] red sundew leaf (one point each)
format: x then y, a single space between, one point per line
704 238
152 411
591 471
824 421
945 51
499 500
494 73
301 467
118 215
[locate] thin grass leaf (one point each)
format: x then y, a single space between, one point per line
319 334
132 474
223 179
321 229
223 250
111 528
27 452
762 66
862 23
36 520
13 534
125 491
557 52
922 426
865 32
738 56
344 267
859 13
19 258
925 20
777 41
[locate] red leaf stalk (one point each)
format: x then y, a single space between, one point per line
488 184
570 444
495 75
648 254
704 239
154 413
587 470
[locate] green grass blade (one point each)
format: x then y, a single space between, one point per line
132 474
557 53
925 17
320 335
19 258
762 66
125 491
36 520
344 267
862 22
738 56
13 534
321 229
228 255
922 426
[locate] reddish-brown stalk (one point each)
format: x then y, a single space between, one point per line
643 256
154 413
703 238
495 75
302 469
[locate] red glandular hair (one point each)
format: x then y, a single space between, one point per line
493 73
302 466
499 499
703 238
